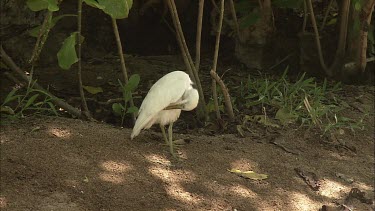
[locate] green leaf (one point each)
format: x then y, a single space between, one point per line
37 5
132 109
249 20
132 83
357 5
94 3
93 90
10 96
263 120
127 96
285 116
52 108
292 4
117 9
243 7
67 54
30 101
35 31
6 109
117 110
249 174
332 21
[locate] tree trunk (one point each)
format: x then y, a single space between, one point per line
356 59
250 48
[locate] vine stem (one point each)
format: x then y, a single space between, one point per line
216 54
85 109
122 60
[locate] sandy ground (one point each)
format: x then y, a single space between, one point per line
50 163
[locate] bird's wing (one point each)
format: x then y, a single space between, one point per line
169 89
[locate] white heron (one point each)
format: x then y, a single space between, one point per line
163 104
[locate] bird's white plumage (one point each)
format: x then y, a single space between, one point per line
173 88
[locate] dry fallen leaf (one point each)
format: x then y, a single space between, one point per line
249 174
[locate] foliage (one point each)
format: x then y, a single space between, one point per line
33 101
127 89
67 55
304 101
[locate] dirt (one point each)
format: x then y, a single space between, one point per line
55 163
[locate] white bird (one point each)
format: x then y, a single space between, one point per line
163 104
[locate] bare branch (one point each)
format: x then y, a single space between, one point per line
216 54
227 99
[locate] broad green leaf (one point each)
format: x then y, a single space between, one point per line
94 3
37 5
285 116
117 110
132 83
332 21
249 174
30 101
67 54
293 4
35 31
117 9
127 96
132 109
357 5
249 20
93 90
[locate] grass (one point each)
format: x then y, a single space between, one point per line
25 101
304 101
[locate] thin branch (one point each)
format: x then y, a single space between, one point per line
187 57
199 35
85 109
326 15
228 22
122 60
317 38
227 99
42 36
58 102
216 55
234 16
305 16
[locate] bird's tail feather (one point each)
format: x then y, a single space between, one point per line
140 124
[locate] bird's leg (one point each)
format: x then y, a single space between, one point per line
164 135
170 133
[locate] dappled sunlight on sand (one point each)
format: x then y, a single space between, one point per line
302 202
242 191
114 172
364 187
177 191
113 178
3 202
60 133
244 165
4 139
332 189
172 179
154 158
